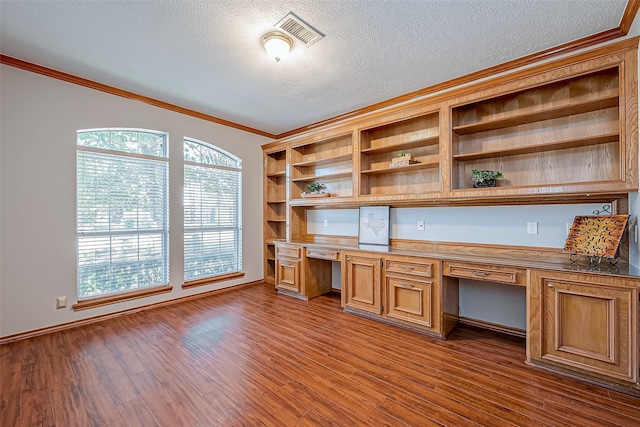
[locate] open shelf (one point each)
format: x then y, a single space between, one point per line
538 148
324 161
532 114
433 162
419 135
274 207
323 176
327 161
564 132
422 142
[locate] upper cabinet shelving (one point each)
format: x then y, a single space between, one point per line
328 162
562 133
418 139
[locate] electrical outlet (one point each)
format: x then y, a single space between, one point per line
325 223
532 228
61 302
420 225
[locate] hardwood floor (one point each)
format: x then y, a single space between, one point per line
251 357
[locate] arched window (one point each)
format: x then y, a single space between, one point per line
121 211
212 211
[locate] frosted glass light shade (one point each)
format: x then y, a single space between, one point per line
277 44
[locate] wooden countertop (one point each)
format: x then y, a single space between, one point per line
514 256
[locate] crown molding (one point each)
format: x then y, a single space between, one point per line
81 81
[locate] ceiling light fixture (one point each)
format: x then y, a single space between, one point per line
277 44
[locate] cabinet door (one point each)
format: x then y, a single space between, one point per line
590 326
363 283
288 275
409 300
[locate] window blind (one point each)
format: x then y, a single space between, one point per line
122 220
212 212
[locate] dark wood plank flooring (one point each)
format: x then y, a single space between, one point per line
251 357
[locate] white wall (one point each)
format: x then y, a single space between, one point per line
502 225
39 117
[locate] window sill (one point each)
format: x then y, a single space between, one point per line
210 280
112 299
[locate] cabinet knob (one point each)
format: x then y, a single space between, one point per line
405 268
550 285
408 285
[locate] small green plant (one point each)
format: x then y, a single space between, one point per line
315 187
485 178
402 154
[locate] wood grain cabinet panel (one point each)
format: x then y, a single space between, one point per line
288 275
486 272
289 269
587 323
401 266
322 253
409 300
362 286
412 292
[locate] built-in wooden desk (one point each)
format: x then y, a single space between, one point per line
580 321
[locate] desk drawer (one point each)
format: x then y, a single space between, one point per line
320 253
287 250
408 266
489 273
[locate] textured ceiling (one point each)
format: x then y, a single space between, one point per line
207 56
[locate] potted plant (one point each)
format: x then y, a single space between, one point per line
314 189
482 179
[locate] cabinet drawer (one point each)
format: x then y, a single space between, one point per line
331 254
409 267
409 300
288 275
289 251
490 273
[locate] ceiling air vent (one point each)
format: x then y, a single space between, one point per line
299 29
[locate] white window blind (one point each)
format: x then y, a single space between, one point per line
212 211
122 211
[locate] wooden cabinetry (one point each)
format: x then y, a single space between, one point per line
328 162
412 292
586 323
400 290
289 265
303 273
275 207
485 272
361 281
560 129
418 138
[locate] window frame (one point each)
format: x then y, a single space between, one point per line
90 301
216 277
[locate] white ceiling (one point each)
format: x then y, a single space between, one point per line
207 56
